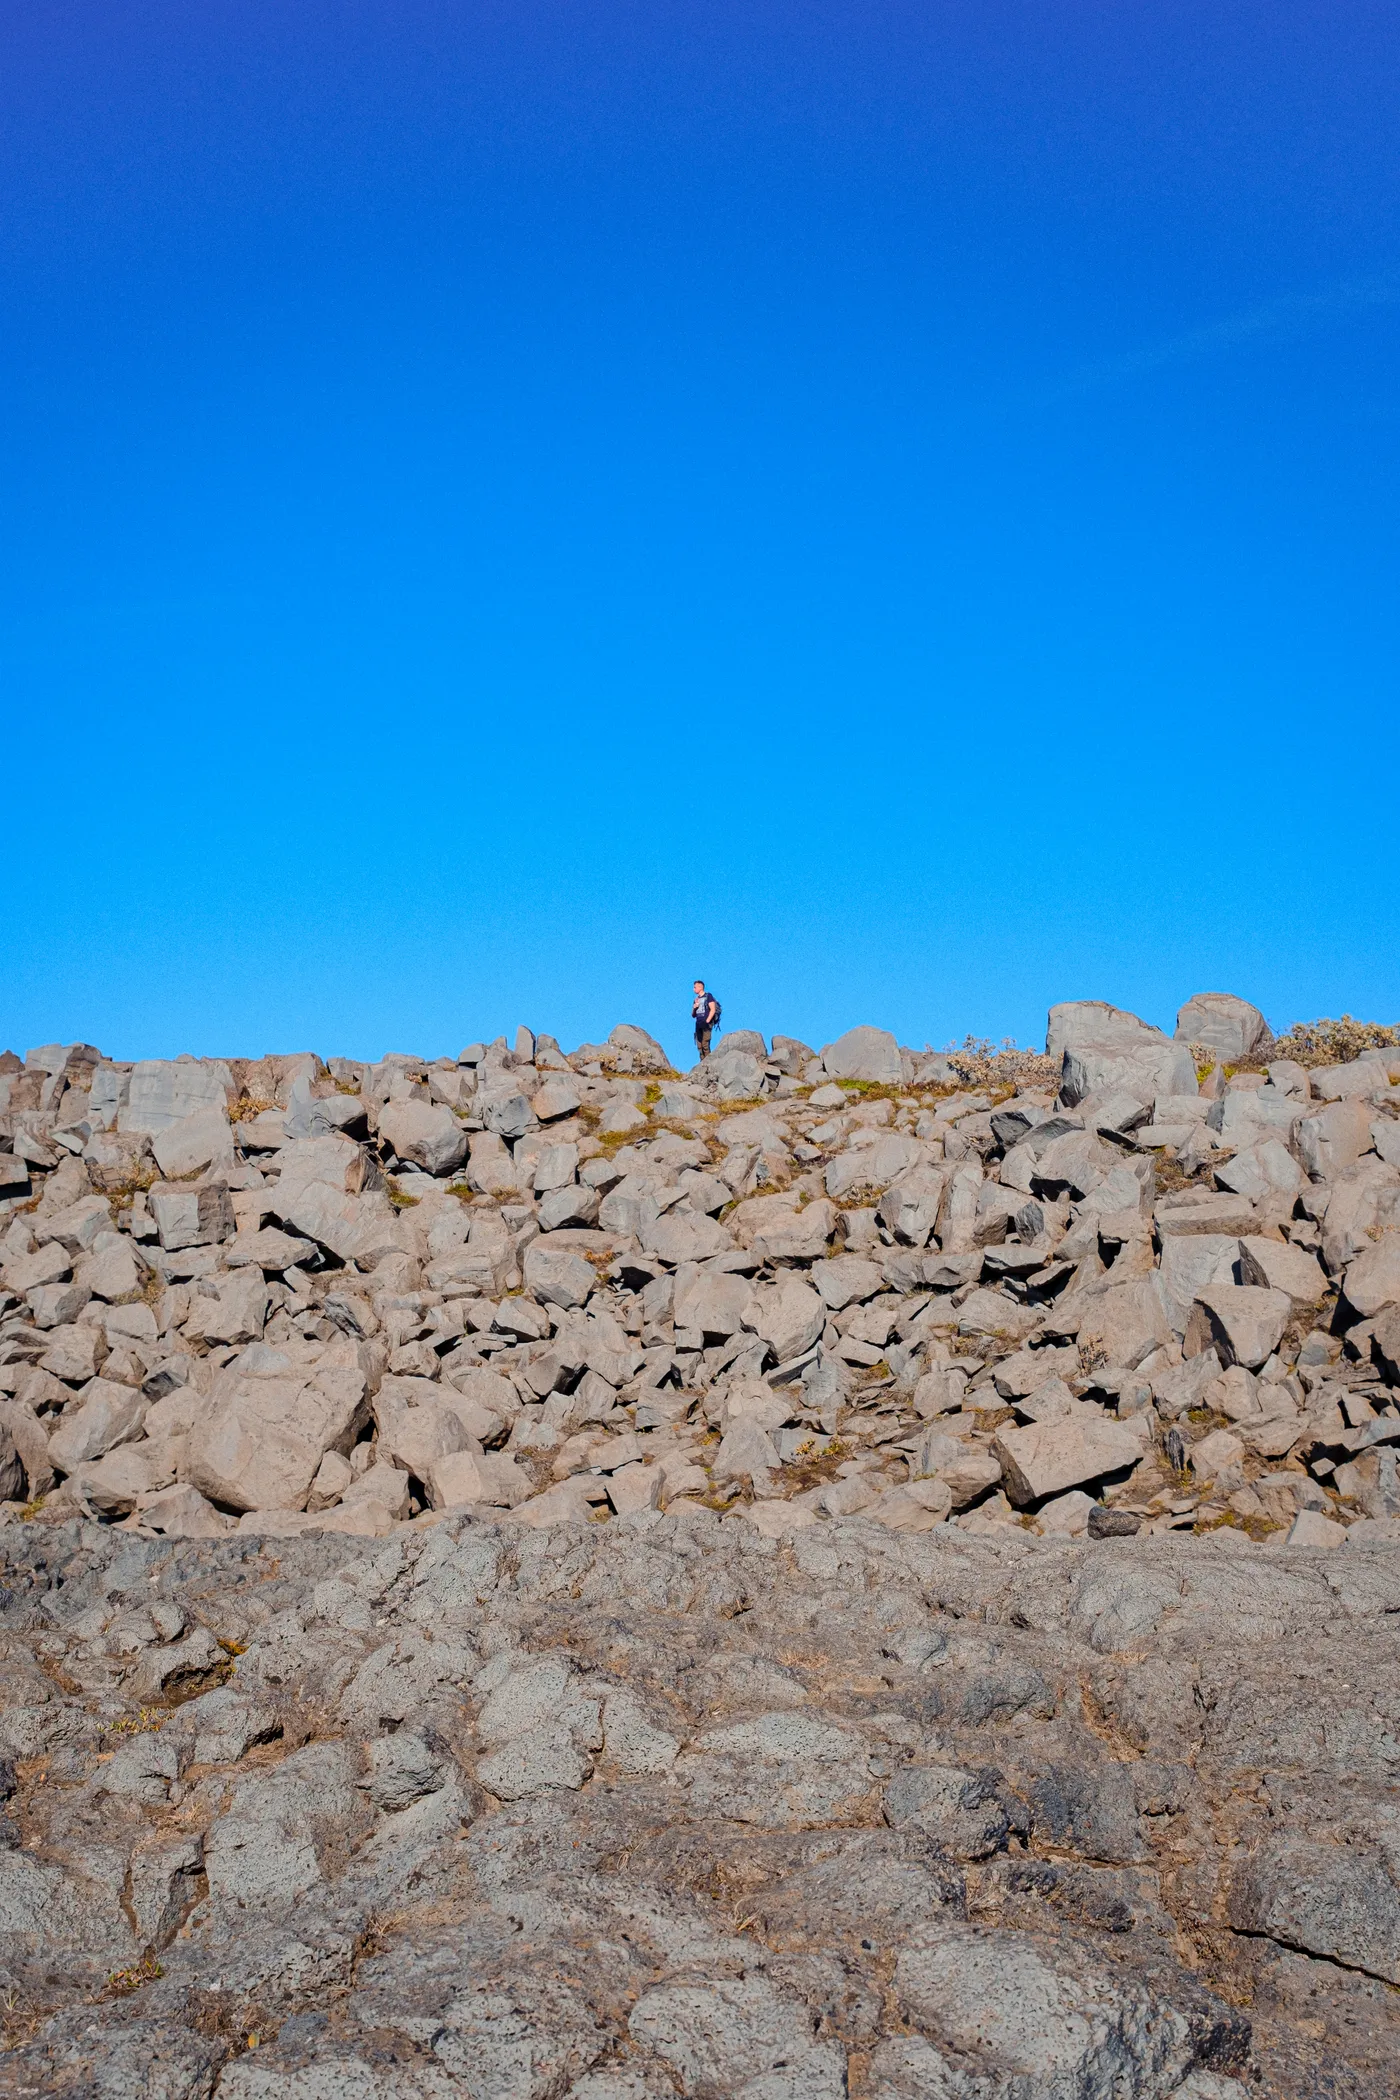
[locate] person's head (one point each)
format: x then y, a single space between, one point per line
699 984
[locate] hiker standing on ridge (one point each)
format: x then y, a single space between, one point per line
705 1014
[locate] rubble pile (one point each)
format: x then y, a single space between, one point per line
1139 1284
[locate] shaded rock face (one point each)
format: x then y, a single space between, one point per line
758 1577
665 1807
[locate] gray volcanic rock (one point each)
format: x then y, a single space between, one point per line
663 1806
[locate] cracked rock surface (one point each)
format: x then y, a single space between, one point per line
662 1806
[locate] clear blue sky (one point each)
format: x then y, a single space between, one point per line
503 507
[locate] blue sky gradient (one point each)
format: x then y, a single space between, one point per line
505 507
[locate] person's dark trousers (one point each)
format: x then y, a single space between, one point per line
702 1039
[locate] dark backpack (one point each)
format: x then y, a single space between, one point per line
718 1010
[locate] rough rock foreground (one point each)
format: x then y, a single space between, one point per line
843 1572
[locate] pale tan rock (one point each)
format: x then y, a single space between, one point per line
117 1481
415 1437
107 1414
1275 1265
634 1487
260 1441
384 1486
333 1477
31 1440
1215 1455
920 1506
1275 1436
1335 1138
237 1314
182 1513
75 1354
1311 1528
1373 1280
569 1501
1123 1323
195 1143
1243 1323
454 1479
1066 1516
1048 1457
775 1520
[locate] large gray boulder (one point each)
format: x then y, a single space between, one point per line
260 1441
1076 1021
1147 1066
1231 1027
864 1053
425 1134
162 1091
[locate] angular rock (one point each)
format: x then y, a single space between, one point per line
1125 1322
872 1166
259 1442
558 1097
195 1143
1334 1138
425 1133
162 1092
107 1414
236 1314
1265 1172
1274 1265
192 1217
561 1279
1373 1279
1243 1323
1047 1457
789 1315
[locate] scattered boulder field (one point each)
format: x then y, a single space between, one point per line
845 1570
